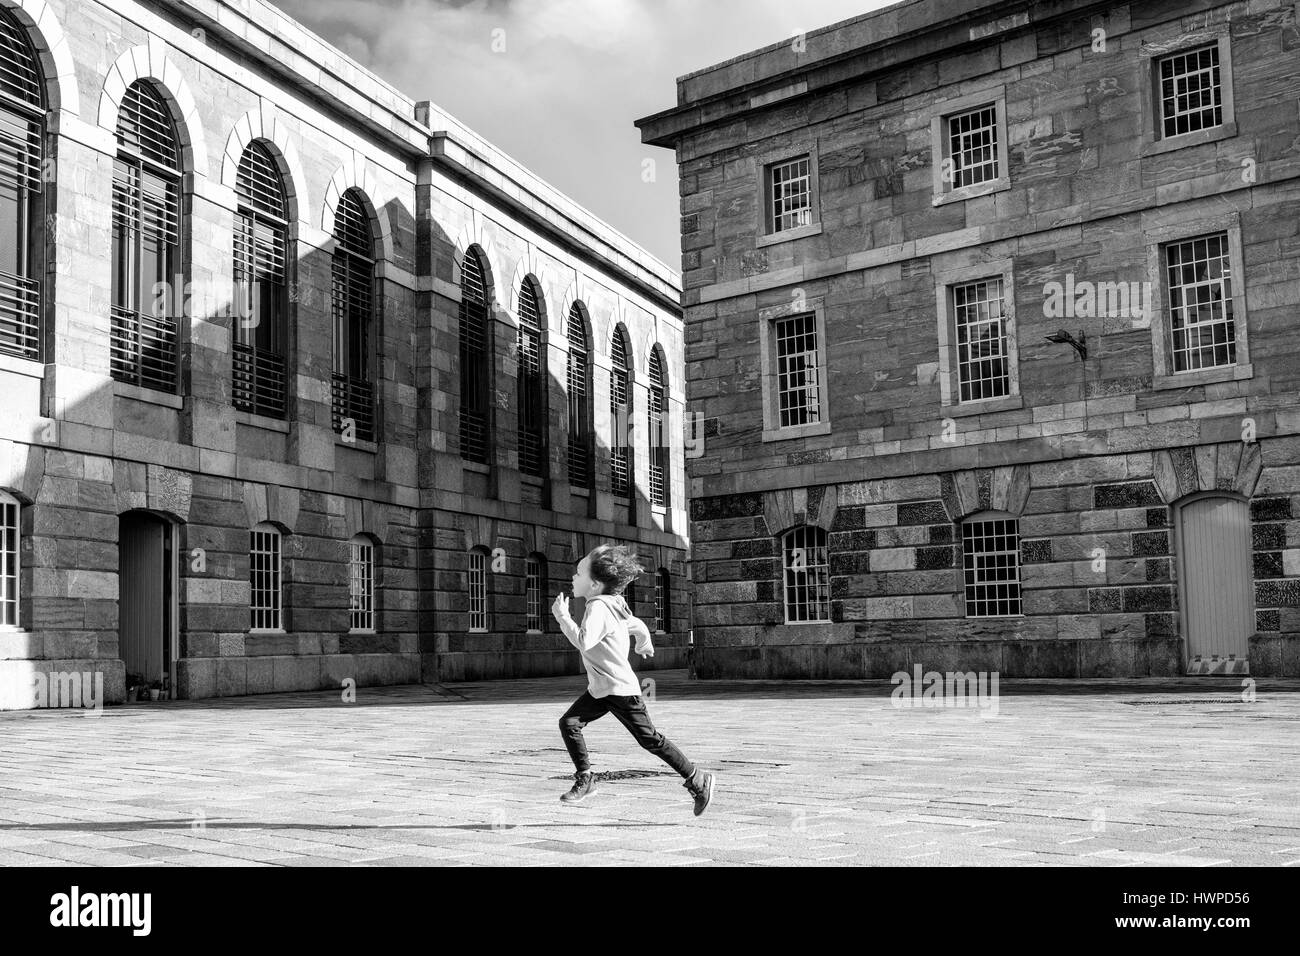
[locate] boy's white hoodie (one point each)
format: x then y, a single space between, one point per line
603 639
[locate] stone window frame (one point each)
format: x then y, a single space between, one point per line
1156 240
950 405
1153 143
765 162
767 318
944 192
959 539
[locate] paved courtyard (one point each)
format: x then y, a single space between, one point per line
1094 773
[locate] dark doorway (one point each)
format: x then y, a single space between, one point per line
146 596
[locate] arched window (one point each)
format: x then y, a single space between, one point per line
620 407
352 295
990 546
663 603
148 283
579 382
264 574
10 528
532 381
261 333
535 591
807 575
361 584
475 360
478 591
22 214
656 413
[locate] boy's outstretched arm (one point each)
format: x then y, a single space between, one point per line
596 623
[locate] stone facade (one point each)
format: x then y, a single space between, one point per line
78 449
1098 457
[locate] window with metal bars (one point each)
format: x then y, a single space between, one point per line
807 575
532 381
22 216
148 284
535 592
979 318
260 366
663 602
352 297
1199 282
991 565
973 146
264 574
789 194
656 413
475 359
620 407
1190 91
361 584
578 376
10 513
478 591
629 595
797 371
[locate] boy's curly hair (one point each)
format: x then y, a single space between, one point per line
614 566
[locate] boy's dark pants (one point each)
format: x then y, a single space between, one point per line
631 713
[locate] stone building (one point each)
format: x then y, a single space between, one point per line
303 381
992 313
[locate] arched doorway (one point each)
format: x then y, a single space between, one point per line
1217 586
147 587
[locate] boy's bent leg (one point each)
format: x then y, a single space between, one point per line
582 712
632 714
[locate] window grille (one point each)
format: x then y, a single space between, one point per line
361 584
579 382
475 360
797 372
991 565
352 296
1191 91
1203 333
807 575
980 319
265 576
260 367
531 384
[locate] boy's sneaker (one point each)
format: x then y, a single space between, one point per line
701 787
584 784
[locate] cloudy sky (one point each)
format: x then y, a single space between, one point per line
574 75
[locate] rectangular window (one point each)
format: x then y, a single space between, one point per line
789 194
798 390
1190 91
979 320
361 586
991 566
663 610
8 561
535 589
477 591
1202 331
807 576
265 577
973 146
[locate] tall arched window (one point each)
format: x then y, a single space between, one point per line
620 407
579 382
22 215
10 528
261 333
264 574
807 575
535 592
475 360
478 591
532 381
656 413
361 583
148 284
352 296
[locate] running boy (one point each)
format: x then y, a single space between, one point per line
612 686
